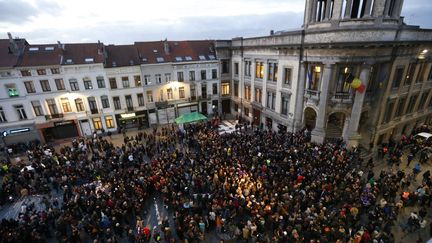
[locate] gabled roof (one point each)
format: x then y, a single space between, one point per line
7 57
179 51
83 53
41 55
122 55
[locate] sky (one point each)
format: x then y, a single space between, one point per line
127 21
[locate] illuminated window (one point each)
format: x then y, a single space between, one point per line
149 96
314 77
79 105
182 93
170 94
12 90
225 88
109 121
259 70
65 105
258 95
97 123
137 79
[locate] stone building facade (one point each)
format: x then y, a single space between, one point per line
303 78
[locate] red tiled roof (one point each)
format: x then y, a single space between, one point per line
7 58
122 55
78 53
181 49
41 55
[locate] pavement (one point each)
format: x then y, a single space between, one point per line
157 211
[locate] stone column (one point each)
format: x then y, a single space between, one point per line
348 7
313 12
327 10
352 137
298 113
378 8
318 134
337 9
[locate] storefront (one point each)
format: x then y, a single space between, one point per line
137 119
60 130
13 135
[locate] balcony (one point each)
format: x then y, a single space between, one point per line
54 116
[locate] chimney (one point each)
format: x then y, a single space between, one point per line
271 32
166 47
13 45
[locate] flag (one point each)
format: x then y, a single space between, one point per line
309 75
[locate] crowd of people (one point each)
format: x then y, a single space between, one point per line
254 186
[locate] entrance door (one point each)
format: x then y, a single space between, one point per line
85 128
226 106
204 107
256 117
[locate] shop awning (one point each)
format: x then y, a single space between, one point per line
191 117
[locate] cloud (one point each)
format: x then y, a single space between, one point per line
20 11
418 12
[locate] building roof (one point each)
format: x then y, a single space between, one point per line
178 51
41 55
122 55
83 53
7 56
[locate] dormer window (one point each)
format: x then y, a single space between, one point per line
131 62
211 57
160 59
34 49
69 61
49 48
155 51
202 57
114 64
144 59
188 58
89 60
178 59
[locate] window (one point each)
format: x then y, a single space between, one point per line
271 98
12 90
236 68
314 77
161 95
225 66
55 71
25 73
225 88
29 87
37 108
343 83
397 78
246 111
214 73
45 85
74 84
411 104
87 83
113 83
97 123
140 98
100 82
109 121
284 104
410 74
65 105
52 107
248 65
193 92
247 93
137 79
59 84
129 103
388 111
272 71
180 77
167 77
79 105
182 93
287 76
178 59
258 95
259 70
92 105
125 82
423 101
158 78
169 94
117 104
188 58
212 57
147 80
400 108
105 101
191 75
215 89
21 112
149 94
41 72
160 59
202 57
203 74
236 89
2 115
421 73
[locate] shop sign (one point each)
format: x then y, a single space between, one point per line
127 115
21 130
56 124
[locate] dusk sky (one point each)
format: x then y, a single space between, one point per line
126 21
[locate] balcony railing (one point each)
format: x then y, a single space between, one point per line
54 116
342 97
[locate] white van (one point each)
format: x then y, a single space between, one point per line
423 137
